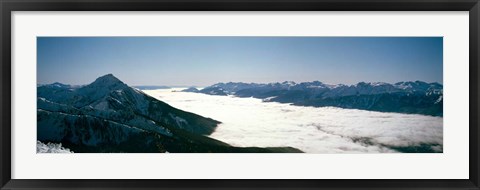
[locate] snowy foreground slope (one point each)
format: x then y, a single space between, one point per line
109 116
253 122
51 148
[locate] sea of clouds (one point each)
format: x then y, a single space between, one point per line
251 122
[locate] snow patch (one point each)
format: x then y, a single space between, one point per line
269 98
51 148
180 121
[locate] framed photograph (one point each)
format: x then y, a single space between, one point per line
239 94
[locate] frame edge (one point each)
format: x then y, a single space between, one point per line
474 51
6 7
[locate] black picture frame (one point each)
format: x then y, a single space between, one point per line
7 6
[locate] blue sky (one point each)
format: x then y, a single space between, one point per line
202 61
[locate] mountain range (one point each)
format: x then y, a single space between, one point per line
110 116
414 97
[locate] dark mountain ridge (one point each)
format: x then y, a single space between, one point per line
109 116
415 97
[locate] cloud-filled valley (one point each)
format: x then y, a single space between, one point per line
252 122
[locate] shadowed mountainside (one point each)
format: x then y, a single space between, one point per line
109 116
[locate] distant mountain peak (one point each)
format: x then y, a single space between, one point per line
55 85
289 83
59 85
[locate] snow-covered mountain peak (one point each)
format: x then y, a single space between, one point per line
101 90
362 84
378 83
60 85
103 86
56 85
419 86
289 83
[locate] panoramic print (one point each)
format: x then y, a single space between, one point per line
234 94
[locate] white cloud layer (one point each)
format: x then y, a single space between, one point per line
251 122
